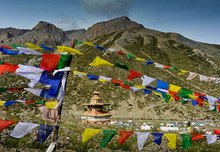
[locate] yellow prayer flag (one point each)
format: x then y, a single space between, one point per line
172 140
100 62
182 72
79 73
174 88
140 59
51 104
88 43
89 133
102 80
139 86
68 50
2 103
158 93
192 96
32 46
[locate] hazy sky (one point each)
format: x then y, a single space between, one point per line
196 19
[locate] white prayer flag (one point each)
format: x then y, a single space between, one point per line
22 129
141 139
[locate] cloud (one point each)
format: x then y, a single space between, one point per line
66 23
107 8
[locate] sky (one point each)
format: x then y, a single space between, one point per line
195 19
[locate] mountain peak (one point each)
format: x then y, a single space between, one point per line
114 25
43 26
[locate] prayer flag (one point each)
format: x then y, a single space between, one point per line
22 129
123 136
171 140
89 133
157 137
186 141
100 62
141 139
107 136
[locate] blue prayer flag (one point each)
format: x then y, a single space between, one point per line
157 137
43 132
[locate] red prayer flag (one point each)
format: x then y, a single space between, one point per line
200 101
30 101
6 67
15 89
124 135
119 82
219 108
5 123
166 66
49 62
133 74
5 46
197 137
216 131
120 52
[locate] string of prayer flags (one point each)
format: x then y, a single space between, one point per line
161 66
46 48
122 66
107 136
68 50
157 136
100 62
141 139
123 136
186 141
171 140
22 129
43 132
32 46
133 74
5 124
89 133
23 50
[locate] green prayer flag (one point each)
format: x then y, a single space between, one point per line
128 83
65 60
123 66
107 136
15 46
184 93
3 89
77 42
130 56
174 69
40 102
1 62
186 141
166 97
